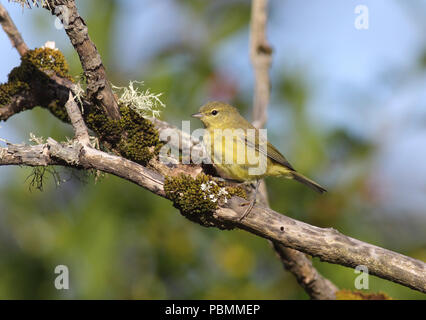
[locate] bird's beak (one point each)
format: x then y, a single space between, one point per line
197 115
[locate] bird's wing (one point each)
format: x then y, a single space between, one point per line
274 154
271 152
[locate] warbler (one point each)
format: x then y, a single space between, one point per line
232 160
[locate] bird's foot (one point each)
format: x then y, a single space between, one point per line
219 179
248 210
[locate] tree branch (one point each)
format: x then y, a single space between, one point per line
56 90
73 155
12 32
315 285
327 244
98 87
81 132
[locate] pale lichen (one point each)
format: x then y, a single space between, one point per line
144 103
36 140
79 93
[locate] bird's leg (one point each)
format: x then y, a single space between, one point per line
219 179
250 207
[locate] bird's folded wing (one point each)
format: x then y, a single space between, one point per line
270 151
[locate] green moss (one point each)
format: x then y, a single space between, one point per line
40 59
107 129
30 74
58 110
133 136
9 89
188 195
236 191
142 141
358 295
197 198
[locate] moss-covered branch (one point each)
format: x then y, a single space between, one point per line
42 79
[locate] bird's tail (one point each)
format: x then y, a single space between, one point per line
311 184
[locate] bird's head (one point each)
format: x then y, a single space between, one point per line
217 115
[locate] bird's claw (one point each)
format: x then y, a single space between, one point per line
248 210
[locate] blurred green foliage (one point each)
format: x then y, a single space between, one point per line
120 241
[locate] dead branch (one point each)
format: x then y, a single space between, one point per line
315 285
98 87
12 32
81 132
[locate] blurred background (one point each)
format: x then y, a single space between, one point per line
348 109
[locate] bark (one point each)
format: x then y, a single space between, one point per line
98 87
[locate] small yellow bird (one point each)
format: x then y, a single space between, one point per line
233 160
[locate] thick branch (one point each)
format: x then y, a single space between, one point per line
23 101
12 32
73 155
56 91
98 87
327 244
316 286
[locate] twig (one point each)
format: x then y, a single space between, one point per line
74 113
12 32
55 91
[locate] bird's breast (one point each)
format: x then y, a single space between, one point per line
232 157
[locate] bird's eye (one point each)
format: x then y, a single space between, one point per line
214 112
